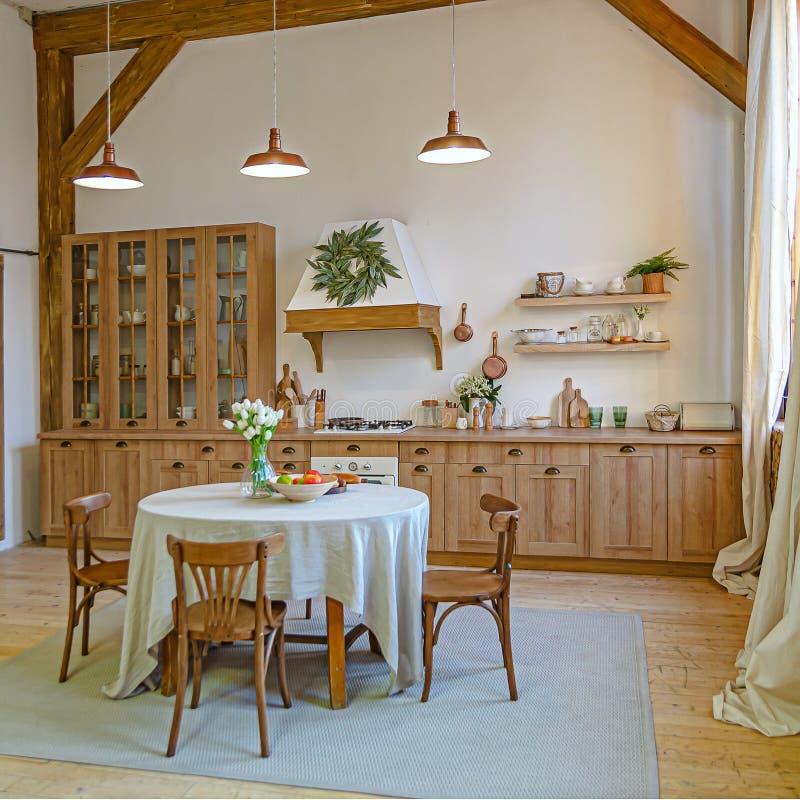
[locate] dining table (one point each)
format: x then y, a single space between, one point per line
363 549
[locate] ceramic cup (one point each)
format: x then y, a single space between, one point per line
126 316
595 416
461 423
185 412
616 284
655 336
91 273
583 286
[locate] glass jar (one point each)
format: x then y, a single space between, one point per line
572 335
609 328
594 331
622 325
430 409
561 337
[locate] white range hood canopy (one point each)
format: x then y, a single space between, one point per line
413 287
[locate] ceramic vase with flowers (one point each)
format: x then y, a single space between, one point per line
475 391
256 422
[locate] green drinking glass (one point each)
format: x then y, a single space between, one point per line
620 416
595 416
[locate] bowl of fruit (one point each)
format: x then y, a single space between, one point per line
305 487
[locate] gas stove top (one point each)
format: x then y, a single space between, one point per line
360 425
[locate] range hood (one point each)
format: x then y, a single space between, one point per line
406 302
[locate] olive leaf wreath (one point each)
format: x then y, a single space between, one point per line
352 265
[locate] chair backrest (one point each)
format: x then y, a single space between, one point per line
219 571
503 520
77 513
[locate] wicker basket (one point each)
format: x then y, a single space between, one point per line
662 419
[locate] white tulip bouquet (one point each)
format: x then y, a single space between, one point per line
256 422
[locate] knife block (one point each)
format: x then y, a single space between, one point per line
319 413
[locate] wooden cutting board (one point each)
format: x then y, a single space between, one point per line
564 399
578 411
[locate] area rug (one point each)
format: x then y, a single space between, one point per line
582 726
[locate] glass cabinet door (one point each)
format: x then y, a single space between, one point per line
132 271
182 313
84 348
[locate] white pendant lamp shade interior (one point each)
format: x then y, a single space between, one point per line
108 174
454 147
275 163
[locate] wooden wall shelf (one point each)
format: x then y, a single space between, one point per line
593 300
313 324
586 347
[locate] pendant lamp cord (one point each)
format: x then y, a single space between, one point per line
274 63
453 50
108 69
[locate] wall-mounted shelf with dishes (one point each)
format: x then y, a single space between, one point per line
593 299
592 347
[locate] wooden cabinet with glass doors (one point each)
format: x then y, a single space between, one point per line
165 330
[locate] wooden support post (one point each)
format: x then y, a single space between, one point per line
136 77
56 217
703 56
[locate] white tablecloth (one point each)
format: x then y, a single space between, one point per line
365 548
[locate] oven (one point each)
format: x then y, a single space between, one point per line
381 469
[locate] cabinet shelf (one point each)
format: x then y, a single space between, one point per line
234 274
174 324
586 347
79 379
84 280
181 377
171 276
593 300
82 327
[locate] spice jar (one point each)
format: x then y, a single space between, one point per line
594 331
572 334
561 337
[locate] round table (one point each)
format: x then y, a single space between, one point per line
364 548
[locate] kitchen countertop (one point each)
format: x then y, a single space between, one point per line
543 435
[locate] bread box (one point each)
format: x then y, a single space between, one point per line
707 417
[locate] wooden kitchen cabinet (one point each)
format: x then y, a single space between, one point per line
466 527
705 501
428 479
174 474
120 470
628 501
554 520
66 471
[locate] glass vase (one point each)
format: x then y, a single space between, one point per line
256 474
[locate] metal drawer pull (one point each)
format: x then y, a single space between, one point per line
479 469
422 451
421 468
707 451
122 444
66 444
627 449
208 449
552 471
85 423
237 465
178 465
353 448
515 451
289 467
181 423
132 423
290 451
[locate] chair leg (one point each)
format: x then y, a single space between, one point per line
197 672
507 657
280 665
71 622
498 607
308 608
260 669
85 632
428 615
180 694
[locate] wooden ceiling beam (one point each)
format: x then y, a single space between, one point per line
702 55
128 88
83 31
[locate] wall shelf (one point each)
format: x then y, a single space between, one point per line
593 300
586 347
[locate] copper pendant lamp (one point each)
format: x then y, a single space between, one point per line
275 163
109 174
454 147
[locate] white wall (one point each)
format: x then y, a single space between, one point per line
606 150
18 230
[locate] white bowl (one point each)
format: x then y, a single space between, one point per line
302 492
529 335
138 270
539 422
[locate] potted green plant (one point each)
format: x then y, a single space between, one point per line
654 269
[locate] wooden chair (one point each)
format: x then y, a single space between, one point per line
93 578
219 571
463 588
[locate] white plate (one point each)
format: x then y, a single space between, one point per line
654 341
615 291
584 294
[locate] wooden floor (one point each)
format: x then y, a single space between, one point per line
693 630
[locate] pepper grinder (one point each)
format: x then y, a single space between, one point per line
476 418
488 419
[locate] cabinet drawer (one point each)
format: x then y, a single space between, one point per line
286 450
291 466
175 449
176 473
357 447
425 452
544 453
224 450
476 453
707 450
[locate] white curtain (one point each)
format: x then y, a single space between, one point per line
770 198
